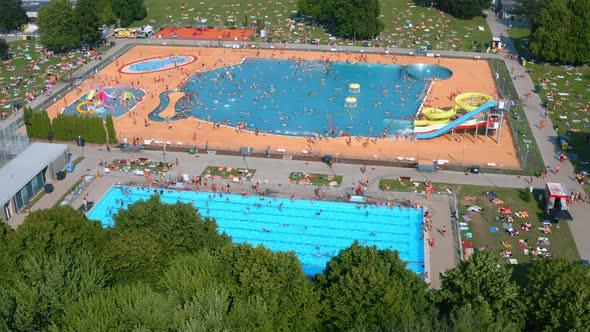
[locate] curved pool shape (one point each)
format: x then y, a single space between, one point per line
115 101
428 71
164 102
157 64
294 227
302 98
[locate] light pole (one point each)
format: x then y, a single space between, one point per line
164 151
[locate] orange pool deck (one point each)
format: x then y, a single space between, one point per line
468 76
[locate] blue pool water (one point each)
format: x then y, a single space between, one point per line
158 64
298 98
295 227
124 98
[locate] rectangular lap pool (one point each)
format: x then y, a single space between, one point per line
315 231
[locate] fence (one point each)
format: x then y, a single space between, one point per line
78 190
524 142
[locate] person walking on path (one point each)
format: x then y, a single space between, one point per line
556 169
444 231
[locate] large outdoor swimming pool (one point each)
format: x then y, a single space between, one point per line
289 97
294 227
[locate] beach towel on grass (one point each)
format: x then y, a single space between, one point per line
466 217
494 229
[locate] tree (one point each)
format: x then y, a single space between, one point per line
129 10
57 26
12 15
149 235
48 284
134 307
112 133
463 9
551 29
194 283
559 29
277 279
54 230
4 48
346 18
87 21
484 283
367 289
558 295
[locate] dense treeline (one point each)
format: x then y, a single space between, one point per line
559 29
166 268
63 26
345 18
67 127
463 9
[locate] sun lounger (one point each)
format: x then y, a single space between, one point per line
463 224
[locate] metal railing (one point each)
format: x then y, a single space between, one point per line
78 190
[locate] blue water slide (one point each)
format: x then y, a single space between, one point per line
459 121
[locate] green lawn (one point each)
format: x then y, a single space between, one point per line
396 14
21 76
562 243
154 166
520 39
228 172
400 185
315 179
570 87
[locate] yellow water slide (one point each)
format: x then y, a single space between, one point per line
465 101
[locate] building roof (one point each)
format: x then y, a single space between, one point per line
20 170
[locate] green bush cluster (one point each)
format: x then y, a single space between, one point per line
67 127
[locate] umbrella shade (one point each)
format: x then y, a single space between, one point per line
561 214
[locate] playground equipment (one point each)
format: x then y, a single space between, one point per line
86 111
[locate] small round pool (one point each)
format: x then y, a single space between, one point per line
157 64
428 71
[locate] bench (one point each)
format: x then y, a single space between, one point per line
405 178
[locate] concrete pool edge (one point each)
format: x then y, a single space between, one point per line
414 262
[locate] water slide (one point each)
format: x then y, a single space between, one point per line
430 132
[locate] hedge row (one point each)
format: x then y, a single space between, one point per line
67 127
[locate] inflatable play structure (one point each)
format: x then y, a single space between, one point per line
95 101
437 121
